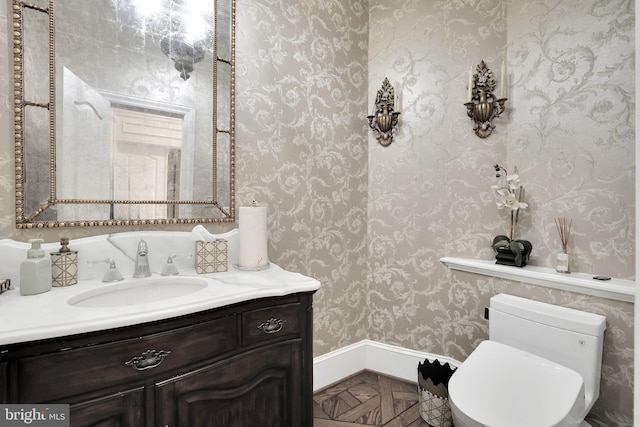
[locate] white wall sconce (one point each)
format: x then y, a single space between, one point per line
384 117
484 105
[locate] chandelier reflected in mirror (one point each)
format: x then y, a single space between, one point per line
183 29
183 52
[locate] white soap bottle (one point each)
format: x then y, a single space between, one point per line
35 271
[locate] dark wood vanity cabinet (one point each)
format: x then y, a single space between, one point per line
245 365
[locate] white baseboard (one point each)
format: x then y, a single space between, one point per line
370 355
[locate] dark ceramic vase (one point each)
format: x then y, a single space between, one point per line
504 256
511 252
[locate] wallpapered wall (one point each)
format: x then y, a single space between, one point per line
569 128
370 222
302 77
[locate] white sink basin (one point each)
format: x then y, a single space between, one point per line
138 291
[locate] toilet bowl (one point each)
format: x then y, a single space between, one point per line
540 367
499 385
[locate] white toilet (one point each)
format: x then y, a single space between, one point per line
540 367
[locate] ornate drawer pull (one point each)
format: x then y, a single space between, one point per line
149 359
271 326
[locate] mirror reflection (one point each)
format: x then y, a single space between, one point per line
140 127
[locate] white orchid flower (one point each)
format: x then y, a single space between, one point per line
513 181
508 193
512 203
501 191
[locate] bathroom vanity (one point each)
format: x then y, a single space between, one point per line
247 364
237 352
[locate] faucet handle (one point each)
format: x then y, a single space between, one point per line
112 274
170 268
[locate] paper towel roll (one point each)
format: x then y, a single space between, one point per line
253 236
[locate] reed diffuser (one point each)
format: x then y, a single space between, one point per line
564 229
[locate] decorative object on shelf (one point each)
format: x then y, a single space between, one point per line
510 194
384 117
483 103
64 265
511 252
564 229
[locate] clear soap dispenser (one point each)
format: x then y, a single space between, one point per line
35 271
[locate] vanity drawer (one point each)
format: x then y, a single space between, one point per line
55 376
271 323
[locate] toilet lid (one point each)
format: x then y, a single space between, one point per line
499 385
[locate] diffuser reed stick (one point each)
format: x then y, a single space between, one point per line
564 229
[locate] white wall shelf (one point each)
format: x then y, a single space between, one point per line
616 289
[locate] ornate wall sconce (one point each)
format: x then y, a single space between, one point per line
384 118
484 105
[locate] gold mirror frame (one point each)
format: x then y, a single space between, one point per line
28 222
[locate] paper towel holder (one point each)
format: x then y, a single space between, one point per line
253 268
253 251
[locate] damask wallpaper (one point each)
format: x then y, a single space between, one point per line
371 222
569 128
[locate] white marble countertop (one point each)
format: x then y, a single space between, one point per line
48 315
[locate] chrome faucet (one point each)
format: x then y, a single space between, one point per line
142 261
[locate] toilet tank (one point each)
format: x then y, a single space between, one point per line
569 337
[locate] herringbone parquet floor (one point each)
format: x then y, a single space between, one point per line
368 399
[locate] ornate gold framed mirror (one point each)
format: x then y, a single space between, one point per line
124 112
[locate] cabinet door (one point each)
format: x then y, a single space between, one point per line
124 409
260 388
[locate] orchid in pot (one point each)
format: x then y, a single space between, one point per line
510 196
